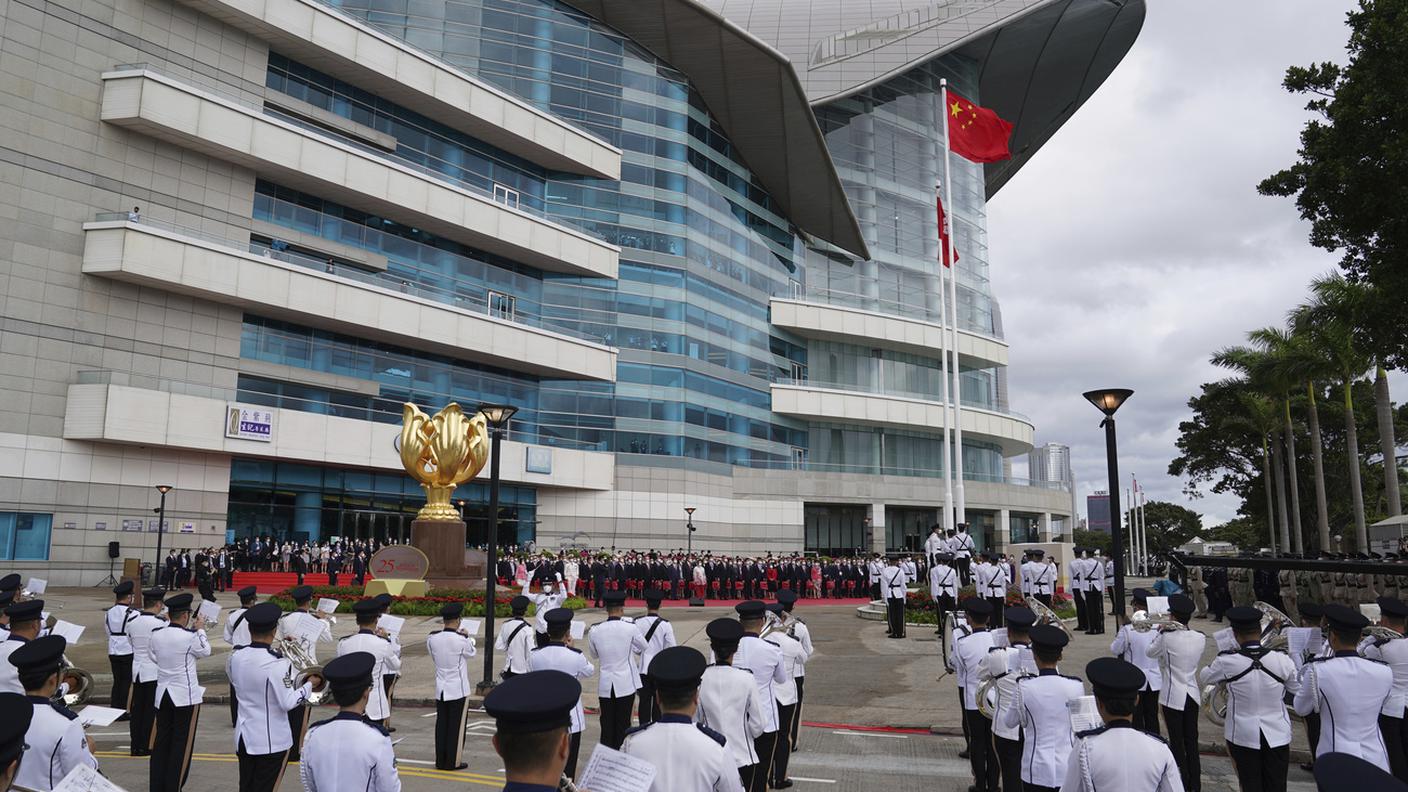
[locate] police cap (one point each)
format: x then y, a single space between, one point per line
534 702
678 668
30 610
1019 617
1111 676
1181 604
1345 619
352 671
724 631
16 711
179 603
263 617
247 593
40 654
124 588
558 617
301 593
519 604
1049 637
1244 616
750 609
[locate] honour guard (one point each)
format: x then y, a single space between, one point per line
963 553
1347 690
450 648
309 628
793 655
1179 652
935 544
142 726
943 586
1258 680
728 699
263 734
1039 709
893 588
1117 755
1132 646
1007 665
659 635
688 756
560 655
991 581
1393 615
615 644
55 737
373 640
1043 577
116 619
236 634
176 648
349 750
533 716
764 660
1076 569
25 620
515 639
970 652
16 714
803 635
1095 595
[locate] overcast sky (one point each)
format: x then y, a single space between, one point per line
1134 243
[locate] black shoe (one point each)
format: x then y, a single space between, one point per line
783 784
391 728
964 755
123 717
1308 767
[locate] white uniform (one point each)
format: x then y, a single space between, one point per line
302 624
661 638
615 644
261 722
140 632
934 545
1007 665
991 580
116 619
515 641
943 581
348 752
9 675
1028 572
803 634
1349 692
1257 685
1132 646
388 661
568 660
893 583
1395 654
1119 756
1043 577
729 704
969 653
792 657
545 603
450 651
911 573
1039 710
1094 575
764 660
236 634
176 650
688 757
963 546
54 745
1178 652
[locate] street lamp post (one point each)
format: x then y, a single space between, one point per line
496 415
689 535
1108 401
160 527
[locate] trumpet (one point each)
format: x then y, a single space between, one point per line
1141 621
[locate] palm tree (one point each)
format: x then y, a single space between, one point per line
1259 415
1260 373
1286 364
1314 364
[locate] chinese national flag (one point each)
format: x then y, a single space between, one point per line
944 237
977 133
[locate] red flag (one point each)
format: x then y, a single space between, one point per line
975 132
944 236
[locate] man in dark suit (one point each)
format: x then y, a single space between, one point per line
599 570
359 569
334 566
676 579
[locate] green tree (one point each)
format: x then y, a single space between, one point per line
1169 526
1242 532
1093 539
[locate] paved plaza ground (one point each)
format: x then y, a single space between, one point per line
858 678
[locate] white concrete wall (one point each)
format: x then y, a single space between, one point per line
883 331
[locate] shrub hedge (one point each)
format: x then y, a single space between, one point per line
428 605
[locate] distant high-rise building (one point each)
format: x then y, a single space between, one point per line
1050 463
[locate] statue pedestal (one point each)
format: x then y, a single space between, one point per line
442 541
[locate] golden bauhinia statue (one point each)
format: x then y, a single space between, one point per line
442 453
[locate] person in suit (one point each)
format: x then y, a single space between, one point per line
334 567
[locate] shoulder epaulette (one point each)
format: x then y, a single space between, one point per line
711 734
1152 736
774 643
639 729
63 710
1317 660
373 724
1072 678
1229 652
1092 732
992 649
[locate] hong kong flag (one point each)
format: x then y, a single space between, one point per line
975 132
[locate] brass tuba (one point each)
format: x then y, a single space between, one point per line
1273 623
79 692
301 666
1047 616
1141 621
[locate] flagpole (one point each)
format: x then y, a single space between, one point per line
961 513
1134 523
943 355
1144 530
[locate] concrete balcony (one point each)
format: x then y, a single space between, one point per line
376 182
216 270
851 325
347 48
833 404
155 415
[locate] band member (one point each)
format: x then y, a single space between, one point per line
1117 755
349 750
236 634
373 640
1347 690
892 585
1393 614
728 699
116 619
309 628
786 694
142 726
1179 653
1258 730
1039 709
970 651
1076 569
450 648
263 734
176 647
1007 665
659 635
1132 646
515 639
533 717
550 598
16 714
55 737
687 756
798 629
764 660
25 621
1043 577
615 644
560 655
389 674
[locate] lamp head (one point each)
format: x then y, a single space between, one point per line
689 510
497 414
1108 400
164 488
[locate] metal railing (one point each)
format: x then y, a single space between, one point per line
895 470
868 302
881 390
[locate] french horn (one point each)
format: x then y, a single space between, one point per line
1047 616
301 666
1141 621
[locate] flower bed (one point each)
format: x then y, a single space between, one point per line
428 605
920 608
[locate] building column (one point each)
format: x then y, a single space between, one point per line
1045 535
308 514
877 527
1002 532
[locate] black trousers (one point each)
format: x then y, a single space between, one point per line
615 719
967 738
1009 760
1146 712
783 750
998 606
981 755
1079 597
261 772
298 725
746 774
894 609
449 732
1034 788
1396 743
121 681
171 753
142 725
945 606
388 682
574 748
234 706
1312 733
965 572
1094 612
1261 769
649 709
1183 742
797 716
1044 599
763 745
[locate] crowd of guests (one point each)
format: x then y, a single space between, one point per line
211 569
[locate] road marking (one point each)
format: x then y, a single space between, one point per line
414 772
401 759
109 734
429 715
812 780
872 734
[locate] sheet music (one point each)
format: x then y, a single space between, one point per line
1302 642
71 632
999 637
1225 640
328 606
612 771
1156 606
93 715
36 586
470 626
308 631
1084 715
391 624
579 630
211 612
85 779
1370 610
